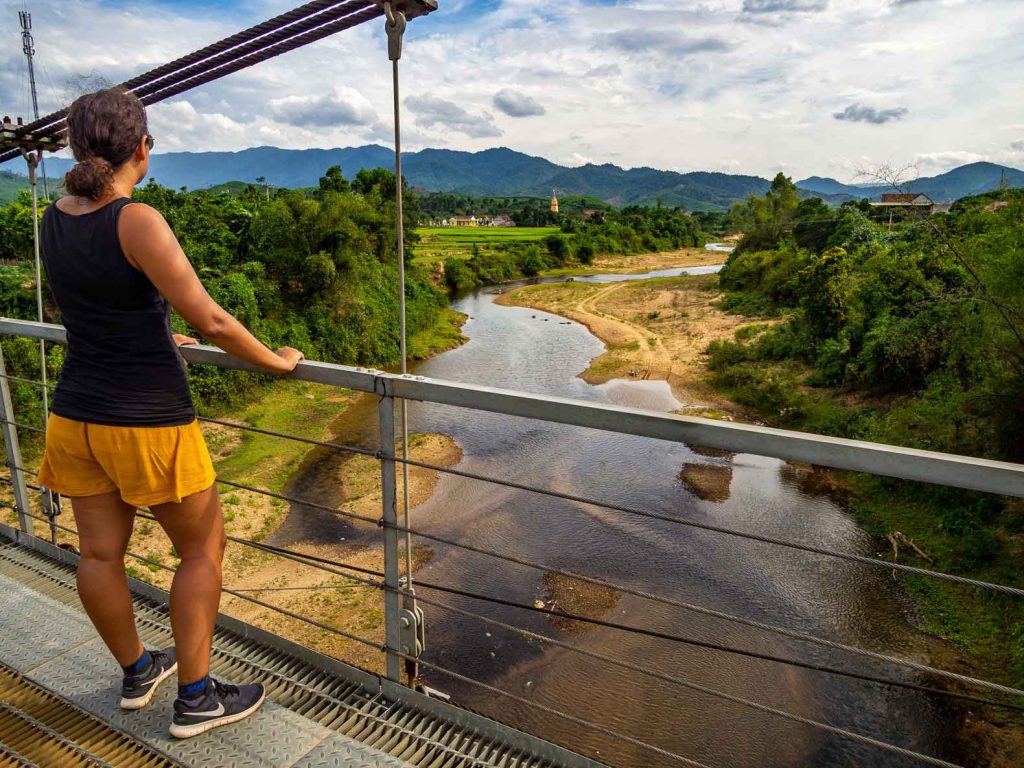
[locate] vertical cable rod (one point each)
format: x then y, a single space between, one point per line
396 23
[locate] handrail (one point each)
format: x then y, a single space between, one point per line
997 477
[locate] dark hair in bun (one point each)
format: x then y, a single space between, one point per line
104 129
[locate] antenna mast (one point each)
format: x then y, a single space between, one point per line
29 47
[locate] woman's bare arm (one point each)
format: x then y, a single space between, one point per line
150 245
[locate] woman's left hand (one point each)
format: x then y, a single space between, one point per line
182 340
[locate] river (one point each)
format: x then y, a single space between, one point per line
536 352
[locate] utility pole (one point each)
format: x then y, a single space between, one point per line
28 46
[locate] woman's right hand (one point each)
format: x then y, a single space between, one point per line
290 357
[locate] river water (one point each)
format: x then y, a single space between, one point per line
536 352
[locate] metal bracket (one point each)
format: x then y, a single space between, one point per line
395 27
412 636
411 9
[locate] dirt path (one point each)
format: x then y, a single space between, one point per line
649 262
653 360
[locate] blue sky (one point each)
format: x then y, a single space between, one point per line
827 87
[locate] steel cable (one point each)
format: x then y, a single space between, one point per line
256 666
867 740
261 603
234 65
728 617
701 610
328 566
308 441
195 57
673 638
668 678
862 559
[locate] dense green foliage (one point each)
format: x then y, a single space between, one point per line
10 186
911 335
627 231
315 271
523 210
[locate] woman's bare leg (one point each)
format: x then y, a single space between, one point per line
196 528
104 526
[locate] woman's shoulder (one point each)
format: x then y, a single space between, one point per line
140 215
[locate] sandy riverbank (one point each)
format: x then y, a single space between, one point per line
646 262
653 329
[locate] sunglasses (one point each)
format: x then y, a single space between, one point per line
150 141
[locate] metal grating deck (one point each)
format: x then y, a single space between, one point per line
320 713
39 728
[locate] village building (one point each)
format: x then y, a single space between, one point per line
461 221
501 220
903 203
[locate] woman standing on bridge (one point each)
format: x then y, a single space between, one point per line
123 432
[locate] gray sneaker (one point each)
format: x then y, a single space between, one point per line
220 704
137 690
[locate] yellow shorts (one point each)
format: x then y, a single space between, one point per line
148 465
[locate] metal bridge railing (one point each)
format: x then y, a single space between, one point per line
403 630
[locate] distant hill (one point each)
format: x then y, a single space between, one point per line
507 173
973 179
10 185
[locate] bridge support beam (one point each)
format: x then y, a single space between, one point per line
389 521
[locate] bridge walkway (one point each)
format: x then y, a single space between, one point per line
320 713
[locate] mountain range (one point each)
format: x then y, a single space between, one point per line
507 173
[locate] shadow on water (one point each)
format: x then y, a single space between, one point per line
514 348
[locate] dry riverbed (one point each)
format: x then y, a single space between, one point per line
653 329
647 262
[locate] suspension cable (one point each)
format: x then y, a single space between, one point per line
255 666
849 556
557 613
329 566
882 745
698 609
59 130
211 50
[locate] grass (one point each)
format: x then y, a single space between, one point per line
292 407
446 334
437 244
986 628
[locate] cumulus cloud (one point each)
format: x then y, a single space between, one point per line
432 111
1017 146
516 104
666 42
861 113
345 106
784 6
637 82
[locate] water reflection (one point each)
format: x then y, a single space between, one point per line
834 599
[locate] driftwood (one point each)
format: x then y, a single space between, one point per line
896 539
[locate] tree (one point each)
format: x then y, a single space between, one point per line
333 181
766 221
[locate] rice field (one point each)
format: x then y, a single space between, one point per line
437 244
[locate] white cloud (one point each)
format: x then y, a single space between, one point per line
861 113
638 82
433 112
343 106
516 104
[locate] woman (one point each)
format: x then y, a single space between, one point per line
123 431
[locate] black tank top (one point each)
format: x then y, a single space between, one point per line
122 367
